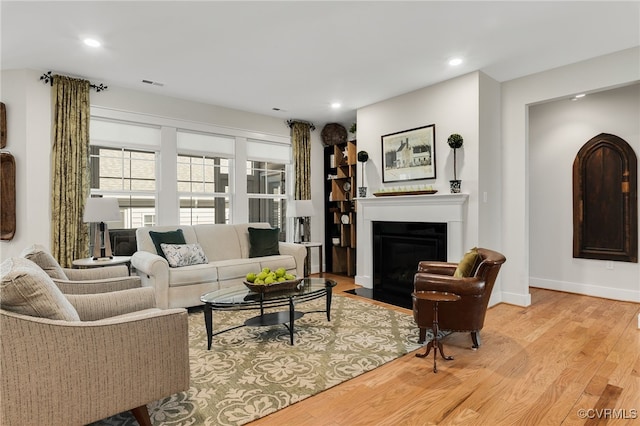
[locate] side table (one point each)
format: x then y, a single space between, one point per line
307 264
88 262
435 297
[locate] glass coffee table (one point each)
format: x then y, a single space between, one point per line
240 298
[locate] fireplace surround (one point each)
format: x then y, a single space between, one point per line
449 209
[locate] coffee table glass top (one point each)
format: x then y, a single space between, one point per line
240 297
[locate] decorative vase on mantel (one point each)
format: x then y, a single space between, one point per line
363 157
455 142
455 186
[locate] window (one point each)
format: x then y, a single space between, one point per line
203 177
267 183
203 184
128 174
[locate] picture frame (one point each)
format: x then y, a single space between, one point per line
409 154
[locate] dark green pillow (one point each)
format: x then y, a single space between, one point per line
468 264
263 242
170 237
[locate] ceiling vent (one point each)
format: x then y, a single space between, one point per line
153 83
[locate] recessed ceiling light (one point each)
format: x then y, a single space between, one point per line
336 105
91 42
455 61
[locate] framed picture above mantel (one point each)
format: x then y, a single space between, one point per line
409 155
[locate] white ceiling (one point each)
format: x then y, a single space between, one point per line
302 56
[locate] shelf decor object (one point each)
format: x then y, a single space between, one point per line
409 155
97 211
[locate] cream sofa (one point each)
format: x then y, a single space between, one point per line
227 250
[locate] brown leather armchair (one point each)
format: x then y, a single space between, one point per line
468 313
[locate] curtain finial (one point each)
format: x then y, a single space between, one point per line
290 124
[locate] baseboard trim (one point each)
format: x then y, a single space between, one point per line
586 289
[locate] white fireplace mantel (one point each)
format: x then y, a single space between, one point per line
442 208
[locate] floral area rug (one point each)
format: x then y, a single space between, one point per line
253 371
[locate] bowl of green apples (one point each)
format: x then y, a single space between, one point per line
269 280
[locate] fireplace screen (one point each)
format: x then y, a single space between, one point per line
397 249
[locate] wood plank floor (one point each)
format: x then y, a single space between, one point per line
545 364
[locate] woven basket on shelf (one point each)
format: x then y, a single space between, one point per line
333 134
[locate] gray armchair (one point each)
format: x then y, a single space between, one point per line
81 281
76 359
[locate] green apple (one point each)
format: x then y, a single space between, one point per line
280 272
251 277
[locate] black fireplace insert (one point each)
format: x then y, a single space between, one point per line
397 249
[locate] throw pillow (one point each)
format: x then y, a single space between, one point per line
263 242
184 254
170 237
39 255
26 289
468 264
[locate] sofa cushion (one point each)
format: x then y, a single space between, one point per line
236 268
169 237
194 274
183 254
468 264
263 242
280 261
219 241
26 289
39 255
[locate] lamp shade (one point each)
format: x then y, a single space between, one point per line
300 208
101 210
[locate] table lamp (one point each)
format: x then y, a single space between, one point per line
98 211
300 209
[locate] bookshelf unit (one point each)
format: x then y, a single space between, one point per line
340 214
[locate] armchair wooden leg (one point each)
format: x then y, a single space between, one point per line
422 335
475 338
142 415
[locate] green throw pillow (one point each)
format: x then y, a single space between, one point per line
468 264
263 242
171 237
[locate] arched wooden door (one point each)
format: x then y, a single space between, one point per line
605 203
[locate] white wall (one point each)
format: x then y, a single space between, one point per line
607 71
28 103
557 131
29 125
453 107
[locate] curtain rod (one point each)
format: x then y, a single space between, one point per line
47 77
290 123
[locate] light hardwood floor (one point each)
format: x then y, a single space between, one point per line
539 365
